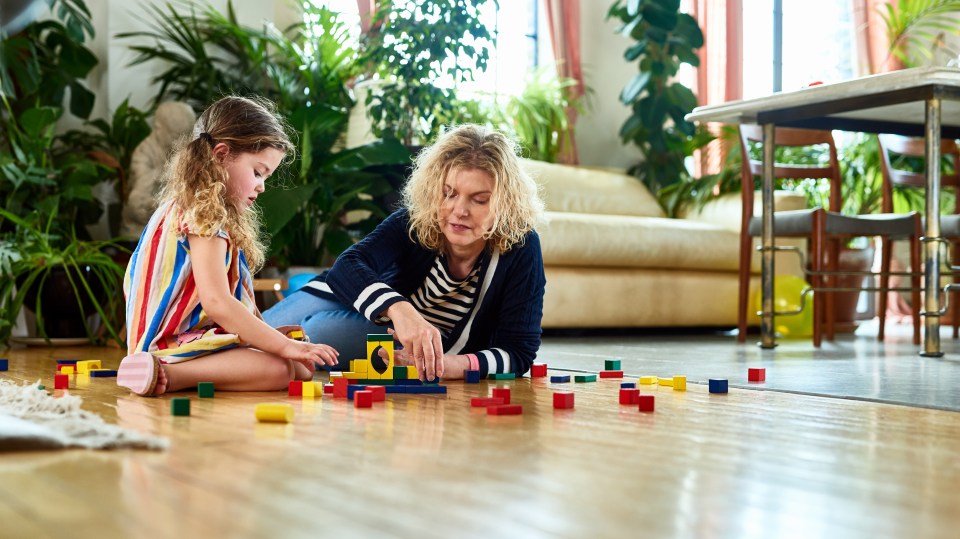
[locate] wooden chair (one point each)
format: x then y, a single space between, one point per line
949 224
268 285
823 229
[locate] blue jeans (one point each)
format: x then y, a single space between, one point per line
327 322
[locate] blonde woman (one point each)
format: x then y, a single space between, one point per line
456 275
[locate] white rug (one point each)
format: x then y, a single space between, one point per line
31 418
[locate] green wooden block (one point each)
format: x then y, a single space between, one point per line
180 406
205 390
378 337
399 373
502 376
585 378
611 365
375 382
41 387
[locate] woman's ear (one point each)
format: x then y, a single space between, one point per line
221 151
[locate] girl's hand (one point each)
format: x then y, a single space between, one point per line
310 353
420 339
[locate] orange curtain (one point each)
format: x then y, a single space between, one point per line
563 18
720 75
872 44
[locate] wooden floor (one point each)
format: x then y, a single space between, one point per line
747 464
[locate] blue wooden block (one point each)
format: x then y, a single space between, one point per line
103 373
408 382
352 388
427 390
399 388
433 381
471 377
66 362
628 385
4 365
559 379
718 385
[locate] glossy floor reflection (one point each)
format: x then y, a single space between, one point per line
853 366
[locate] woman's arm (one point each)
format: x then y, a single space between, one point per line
207 255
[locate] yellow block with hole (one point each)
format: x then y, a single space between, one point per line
375 343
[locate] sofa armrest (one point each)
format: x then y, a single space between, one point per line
724 211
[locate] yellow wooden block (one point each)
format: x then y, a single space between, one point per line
665 381
353 375
66 369
360 366
374 375
295 334
318 389
412 373
376 342
679 383
648 380
308 390
83 367
274 413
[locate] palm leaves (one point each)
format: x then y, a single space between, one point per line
916 29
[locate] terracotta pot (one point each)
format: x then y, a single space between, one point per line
845 303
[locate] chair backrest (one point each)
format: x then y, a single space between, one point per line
787 137
913 147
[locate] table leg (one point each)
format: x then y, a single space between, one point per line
931 270
767 335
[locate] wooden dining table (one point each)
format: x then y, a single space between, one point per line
912 102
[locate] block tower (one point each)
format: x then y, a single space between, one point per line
377 368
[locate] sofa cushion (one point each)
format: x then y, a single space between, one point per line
582 190
575 239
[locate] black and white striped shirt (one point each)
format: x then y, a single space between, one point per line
444 300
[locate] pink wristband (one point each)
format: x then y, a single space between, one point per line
474 362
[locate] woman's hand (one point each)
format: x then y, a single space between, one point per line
420 339
453 364
309 353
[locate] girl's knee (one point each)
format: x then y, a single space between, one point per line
280 372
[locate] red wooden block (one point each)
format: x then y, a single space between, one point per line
611 374
505 409
295 388
502 393
538 371
645 403
61 381
478 402
379 393
756 375
629 396
340 387
363 399
328 389
563 399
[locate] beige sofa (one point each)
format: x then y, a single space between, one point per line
613 259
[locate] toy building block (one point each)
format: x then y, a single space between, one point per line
471 377
205 390
41 387
585 378
378 367
629 396
352 391
505 409
328 389
359 366
308 390
66 362
559 379
395 389
296 335
180 406
61 381
478 402
432 381
4 364
363 399
679 383
648 380
103 373
67 369
379 393
501 393
611 365
295 388
318 389
718 385
427 390
413 382
611 374
273 413
340 386
399 373
665 381
625 385
412 373
757 375
502 376
354 376
563 400
538 370
83 367
645 403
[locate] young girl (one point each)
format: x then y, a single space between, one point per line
191 315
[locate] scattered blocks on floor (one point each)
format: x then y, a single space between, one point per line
471 377
585 378
505 409
648 380
645 403
502 376
538 370
665 381
180 406
625 385
103 373
559 379
430 389
295 388
340 385
629 395
379 393
611 374
328 389
273 413
501 393
611 365
679 383
353 389
67 369
205 390
61 381
83 367
757 375
363 399
563 400
308 390
718 385
478 402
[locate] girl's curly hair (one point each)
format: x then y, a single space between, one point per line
516 205
196 181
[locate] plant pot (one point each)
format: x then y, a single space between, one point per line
63 315
845 303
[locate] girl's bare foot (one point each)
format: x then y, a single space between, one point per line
161 386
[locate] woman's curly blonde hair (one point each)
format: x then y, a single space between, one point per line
196 181
516 205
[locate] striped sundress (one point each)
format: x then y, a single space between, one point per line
164 315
